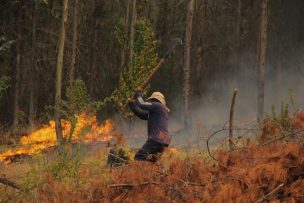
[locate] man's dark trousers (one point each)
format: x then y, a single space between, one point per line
150 151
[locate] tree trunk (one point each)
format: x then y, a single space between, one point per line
17 72
262 58
123 51
132 33
199 51
163 21
94 56
279 76
59 73
74 43
238 34
94 40
154 12
187 49
174 16
32 71
231 144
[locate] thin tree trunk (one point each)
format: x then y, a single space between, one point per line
32 72
262 58
93 57
93 48
59 73
231 144
238 42
154 12
123 51
199 51
174 16
74 43
187 49
17 72
279 62
238 35
132 33
163 21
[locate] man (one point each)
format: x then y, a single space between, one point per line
156 112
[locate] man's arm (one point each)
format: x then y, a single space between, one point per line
144 115
141 103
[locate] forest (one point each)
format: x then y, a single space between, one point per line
231 73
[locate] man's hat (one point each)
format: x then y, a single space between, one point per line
160 97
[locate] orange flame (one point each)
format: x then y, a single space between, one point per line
173 150
87 130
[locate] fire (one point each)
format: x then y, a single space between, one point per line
173 149
87 130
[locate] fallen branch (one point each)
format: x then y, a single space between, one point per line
201 184
183 181
10 183
282 137
265 197
133 185
167 174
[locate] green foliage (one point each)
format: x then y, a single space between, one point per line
144 60
282 118
78 101
120 32
5 83
66 165
292 98
77 97
62 167
5 45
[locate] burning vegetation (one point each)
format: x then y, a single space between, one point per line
87 130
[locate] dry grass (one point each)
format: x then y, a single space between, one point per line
240 176
273 171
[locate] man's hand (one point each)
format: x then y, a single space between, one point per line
129 101
139 89
137 92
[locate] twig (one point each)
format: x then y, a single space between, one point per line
201 184
183 181
123 160
10 183
208 149
167 174
282 137
231 144
265 197
132 185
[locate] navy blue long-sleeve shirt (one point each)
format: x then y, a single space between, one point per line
157 115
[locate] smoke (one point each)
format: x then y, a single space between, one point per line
283 83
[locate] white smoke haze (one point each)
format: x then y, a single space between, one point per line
213 110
